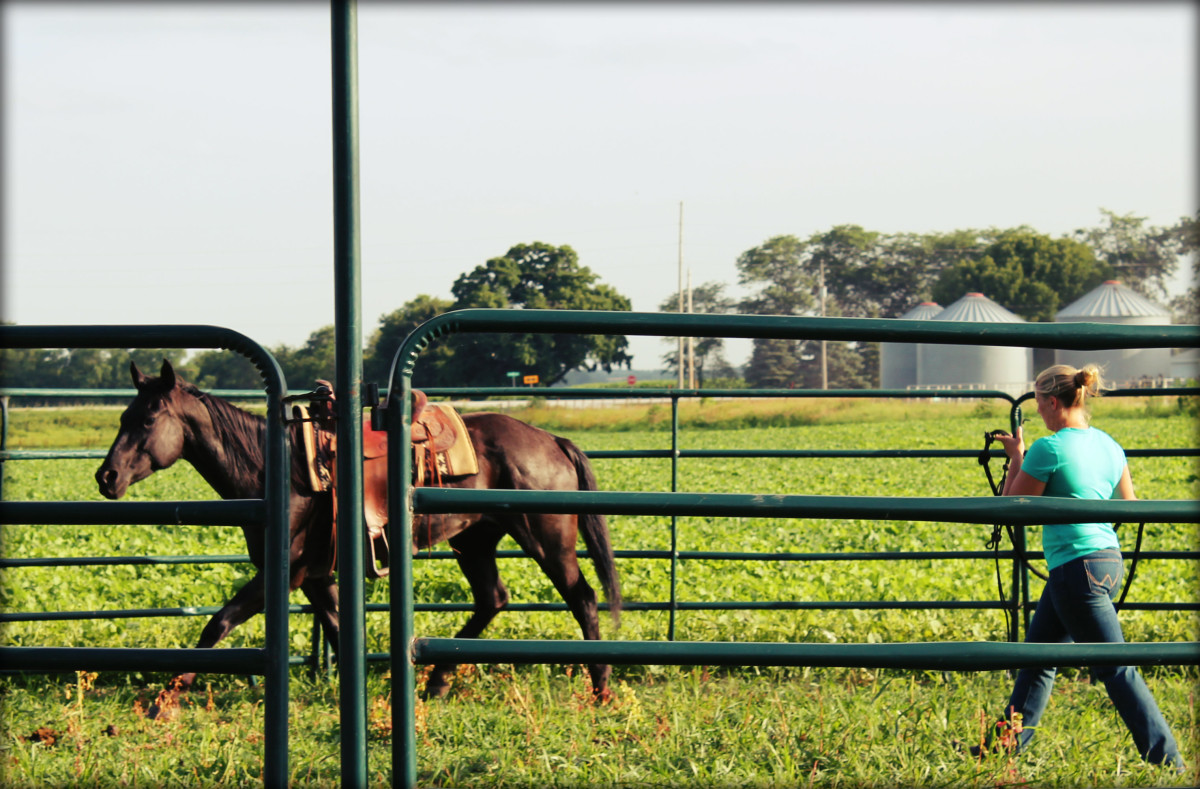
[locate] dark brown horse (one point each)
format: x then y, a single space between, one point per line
170 419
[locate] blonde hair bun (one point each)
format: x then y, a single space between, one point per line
1069 385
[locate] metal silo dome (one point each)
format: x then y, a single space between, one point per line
974 366
898 360
1113 302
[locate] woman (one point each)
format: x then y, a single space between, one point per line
1078 461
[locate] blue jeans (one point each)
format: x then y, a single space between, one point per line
1076 605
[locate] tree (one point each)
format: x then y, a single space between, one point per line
845 366
393 328
225 370
708 352
874 275
785 287
145 359
1027 272
850 262
861 278
535 276
777 267
29 367
1187 306
1142 257
314 360
91 368
773 364
908 266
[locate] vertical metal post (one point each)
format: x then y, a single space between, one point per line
674 518
348 383
400 524
3 438
276 571
1020 575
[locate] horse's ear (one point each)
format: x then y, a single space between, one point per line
139 380
166 376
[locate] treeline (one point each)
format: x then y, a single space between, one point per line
879 275
864 273
534 276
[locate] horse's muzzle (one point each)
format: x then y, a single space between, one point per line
110 483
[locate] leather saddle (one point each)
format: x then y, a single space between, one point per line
441 448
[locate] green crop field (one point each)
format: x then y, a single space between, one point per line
505 725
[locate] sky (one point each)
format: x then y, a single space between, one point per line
172 163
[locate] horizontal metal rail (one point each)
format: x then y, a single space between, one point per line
1079 336
231 512
861 556
699 454
582 392
52 454
1014 510
106 561
732 605
229 661
570 392
127 613
943 656
608 454
120 395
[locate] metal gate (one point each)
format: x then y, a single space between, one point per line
405 500
270 512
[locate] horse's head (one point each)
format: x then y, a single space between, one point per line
151 435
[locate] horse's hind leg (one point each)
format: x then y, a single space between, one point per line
551 542
322 593
475 550
245 603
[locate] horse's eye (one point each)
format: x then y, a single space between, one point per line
148 421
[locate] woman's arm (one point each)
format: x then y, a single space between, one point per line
1125 485
1021 484
1018 483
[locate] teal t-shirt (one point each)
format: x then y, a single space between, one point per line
1076 464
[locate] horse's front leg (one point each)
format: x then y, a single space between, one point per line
475 551
248 601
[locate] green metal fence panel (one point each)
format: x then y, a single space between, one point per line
405 501
271 511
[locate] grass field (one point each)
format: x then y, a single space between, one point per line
508 725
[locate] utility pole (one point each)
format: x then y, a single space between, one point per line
824 358
691 341
679 351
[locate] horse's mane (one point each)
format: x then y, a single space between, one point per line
241 432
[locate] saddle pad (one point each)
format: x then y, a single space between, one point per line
456 461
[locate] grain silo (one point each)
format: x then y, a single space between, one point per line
898 360
974 366
1113 302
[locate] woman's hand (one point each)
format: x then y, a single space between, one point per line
1014 446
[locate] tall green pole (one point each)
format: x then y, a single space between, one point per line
400 588
674 518
348 384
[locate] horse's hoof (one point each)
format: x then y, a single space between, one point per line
165 712
165 707
432 692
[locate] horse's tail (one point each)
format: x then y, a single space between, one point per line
595 532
